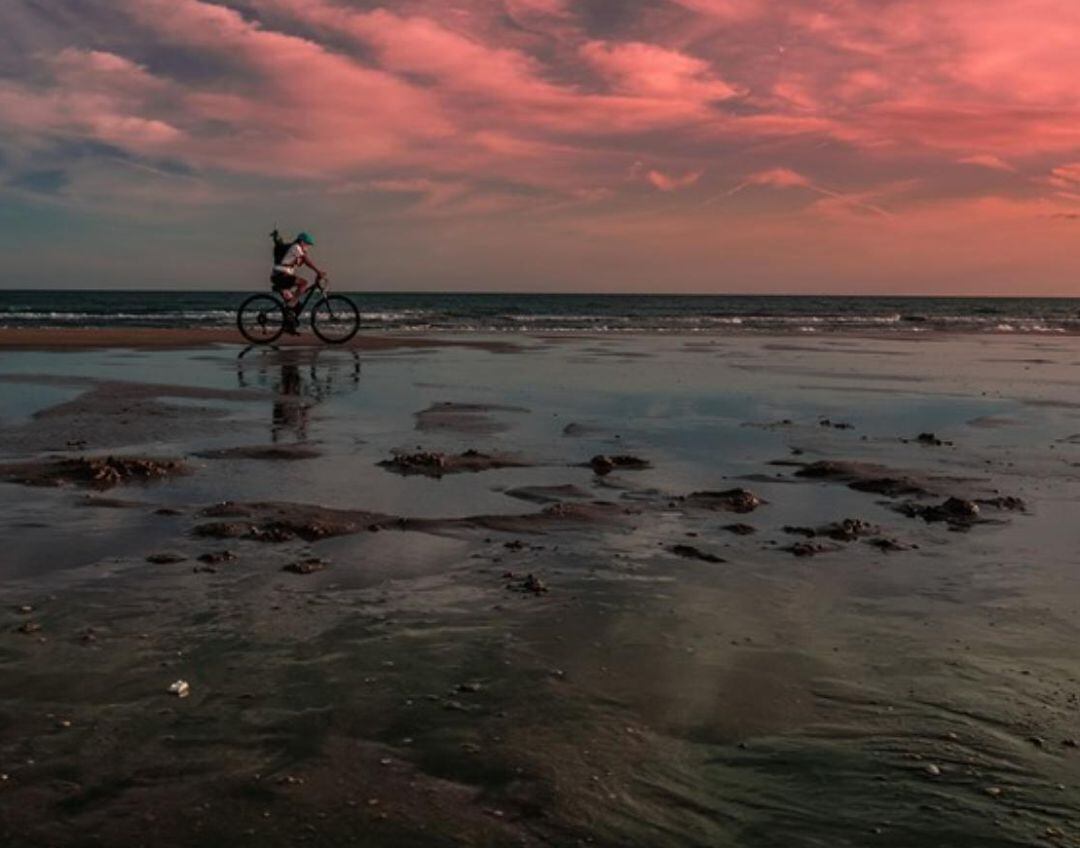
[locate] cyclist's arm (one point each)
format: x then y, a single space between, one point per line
312 266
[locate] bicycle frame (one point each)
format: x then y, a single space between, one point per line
317 286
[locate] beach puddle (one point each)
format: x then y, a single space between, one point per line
572 652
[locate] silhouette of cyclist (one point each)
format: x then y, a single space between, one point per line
289 258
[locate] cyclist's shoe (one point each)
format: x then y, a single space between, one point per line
292 323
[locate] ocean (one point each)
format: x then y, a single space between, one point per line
557 313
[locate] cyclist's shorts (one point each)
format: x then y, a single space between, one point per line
280 280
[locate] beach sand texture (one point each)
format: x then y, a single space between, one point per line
623 590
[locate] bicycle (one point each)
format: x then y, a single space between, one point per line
335 319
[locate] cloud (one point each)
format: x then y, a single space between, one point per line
987 160
1065 176
775 178
831 201
554 111
725 10
94 95
673 182
49 181
646 70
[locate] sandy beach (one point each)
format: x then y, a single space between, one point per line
617 590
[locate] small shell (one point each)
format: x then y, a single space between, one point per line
180 689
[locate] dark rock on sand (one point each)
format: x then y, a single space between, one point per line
956 512
548 494
883 543
575 430
28 627
216 557
809 549
273 531
740 529
555 516
1009 503
847 530
267 452
165 558
602 464
98 502
435 464
729 500
690 552
282 522
91 472
863 477
306 566
931 440
529 585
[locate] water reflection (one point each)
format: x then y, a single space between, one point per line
300 379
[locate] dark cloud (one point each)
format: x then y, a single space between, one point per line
51 181
607 18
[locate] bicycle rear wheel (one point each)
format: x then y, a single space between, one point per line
335 319
261 319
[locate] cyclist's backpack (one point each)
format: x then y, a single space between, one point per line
281 247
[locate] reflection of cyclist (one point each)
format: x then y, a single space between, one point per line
289 258
290 410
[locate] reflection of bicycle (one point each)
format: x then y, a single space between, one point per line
262 318
298 379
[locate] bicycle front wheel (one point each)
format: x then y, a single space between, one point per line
261 319
335 319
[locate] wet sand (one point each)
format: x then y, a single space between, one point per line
831 601
78 338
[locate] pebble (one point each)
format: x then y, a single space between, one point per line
933 770
180 688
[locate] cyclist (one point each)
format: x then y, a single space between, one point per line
288 260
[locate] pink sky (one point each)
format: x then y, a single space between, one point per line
866 146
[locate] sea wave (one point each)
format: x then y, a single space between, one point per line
600 314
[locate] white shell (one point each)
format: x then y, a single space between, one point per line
180 689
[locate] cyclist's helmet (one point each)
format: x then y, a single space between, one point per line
305 238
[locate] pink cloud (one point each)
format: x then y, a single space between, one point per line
533 107
645 70
673 182
96 95
777 178
307 110
725 9
830 200
987 160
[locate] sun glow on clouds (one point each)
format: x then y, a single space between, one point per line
781 120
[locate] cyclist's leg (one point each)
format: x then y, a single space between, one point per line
284 285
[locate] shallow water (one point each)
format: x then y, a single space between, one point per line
405 696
